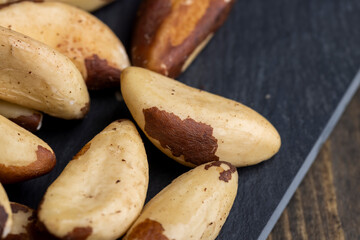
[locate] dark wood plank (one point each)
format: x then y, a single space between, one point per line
327 203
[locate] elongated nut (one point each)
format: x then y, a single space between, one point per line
24 117
102 190
5 214
74 33
88 5
23 155
170 33
194 206
193 126
38 77
25 225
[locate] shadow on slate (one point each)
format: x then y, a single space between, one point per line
290 60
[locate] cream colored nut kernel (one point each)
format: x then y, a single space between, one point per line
102 190
23 155
194 206
88 5
38 77
24 117
5 214
89 43
194 126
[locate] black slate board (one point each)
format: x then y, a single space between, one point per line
293 61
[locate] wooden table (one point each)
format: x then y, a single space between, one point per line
327 203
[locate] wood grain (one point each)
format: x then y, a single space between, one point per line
327 203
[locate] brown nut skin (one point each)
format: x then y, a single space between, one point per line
170 33
27 118
23 155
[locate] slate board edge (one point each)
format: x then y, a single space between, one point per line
350 92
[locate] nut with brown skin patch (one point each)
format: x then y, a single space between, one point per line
100 60
184 210
31 123
100 210
79 233
24 155
25 225
188 138
169 33
147 230
225 175
82 151
193 126
45 162
24 117
39 77
100 74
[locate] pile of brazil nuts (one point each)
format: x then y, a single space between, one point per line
48 64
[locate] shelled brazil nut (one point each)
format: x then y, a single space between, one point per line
38 77
193 126
23 155
168 35
194 206
24 117
88 5
5 213
102 190
89 43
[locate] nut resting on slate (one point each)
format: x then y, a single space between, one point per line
38 77
23 155
88 5
193 126
194 206
5 214
74 33
169 34
25 225
102 190
24 117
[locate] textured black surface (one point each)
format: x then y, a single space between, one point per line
290 60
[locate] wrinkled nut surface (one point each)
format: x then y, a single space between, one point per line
23 155
74 33
37 77
170 33
102 190
194 126
88 5
5 214
194 206
27 118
